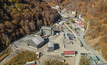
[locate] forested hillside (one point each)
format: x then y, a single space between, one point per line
22 17
95 12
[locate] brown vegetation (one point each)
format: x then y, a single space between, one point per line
22 17
22 57
5 53
103 46
55 62
84 61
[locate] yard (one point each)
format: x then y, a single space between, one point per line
22 57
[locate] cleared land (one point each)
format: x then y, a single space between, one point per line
22 57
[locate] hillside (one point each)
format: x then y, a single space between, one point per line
95 12
22 17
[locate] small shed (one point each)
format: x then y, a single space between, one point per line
36 42
50 47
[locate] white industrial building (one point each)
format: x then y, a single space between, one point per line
50 47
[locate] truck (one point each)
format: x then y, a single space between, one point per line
39 54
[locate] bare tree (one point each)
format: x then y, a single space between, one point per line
27 30
21 32
32 26
39 23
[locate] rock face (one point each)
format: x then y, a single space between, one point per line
22 17
94 12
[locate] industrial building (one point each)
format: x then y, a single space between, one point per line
69 53
50 47
46 30
36 42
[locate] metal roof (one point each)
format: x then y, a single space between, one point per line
46 27
50 44
69 52
37 40
31 63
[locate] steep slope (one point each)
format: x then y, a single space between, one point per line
22 17
95 12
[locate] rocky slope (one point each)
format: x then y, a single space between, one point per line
95 12
22 17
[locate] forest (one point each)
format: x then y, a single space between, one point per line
19 18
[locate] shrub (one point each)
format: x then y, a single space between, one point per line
55 62
95 34
103 16
105 21
73 21
70 27
22 57
5 53
67 22
3 57
84 61
104 39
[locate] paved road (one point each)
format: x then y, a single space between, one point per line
82 40
8 58
78 56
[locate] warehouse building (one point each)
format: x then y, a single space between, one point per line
50 47
46 30
69 53
36 42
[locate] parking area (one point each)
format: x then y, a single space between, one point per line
72 43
